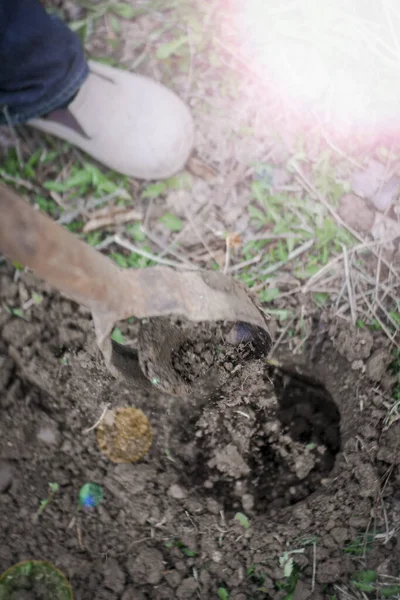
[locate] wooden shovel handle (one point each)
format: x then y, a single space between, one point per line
56 255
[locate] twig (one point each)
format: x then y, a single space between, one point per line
374 313
227 256
14 136
337 259
273 236
291 256
198 234
245 263
120 241
17 180
105 243
353 308
68 217
317 195
99 420
166 249
314 571
282 334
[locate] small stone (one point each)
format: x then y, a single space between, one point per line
216 556
340 535
48 434
247 501
5 476
176 492
357 365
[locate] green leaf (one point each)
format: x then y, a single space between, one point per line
172 222
180 181
123 9
288 567
18 312
165 50
269 294
37 298
364 587
54 487
136 232
365 576
154 190
257 215
243 520
188 552
17 266
115 24
119 259
117 336
223 593
390 591
281 314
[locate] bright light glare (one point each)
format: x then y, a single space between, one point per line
338 61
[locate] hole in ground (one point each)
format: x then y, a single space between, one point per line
267 452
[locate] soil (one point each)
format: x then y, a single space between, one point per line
302 449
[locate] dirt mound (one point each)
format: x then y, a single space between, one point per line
302 451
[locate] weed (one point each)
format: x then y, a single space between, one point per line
360 545
17 312
53 489
172 222
288 585
367 581
223 593
243 520
257 578
85 27
118 336
286 561
177 543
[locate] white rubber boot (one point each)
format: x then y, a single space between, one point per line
128 122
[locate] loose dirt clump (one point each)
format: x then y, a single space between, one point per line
304 450
218 345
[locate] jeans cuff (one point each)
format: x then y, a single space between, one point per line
61 99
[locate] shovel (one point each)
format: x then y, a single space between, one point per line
112 294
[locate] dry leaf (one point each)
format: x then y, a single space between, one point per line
111 215
233 240
200 169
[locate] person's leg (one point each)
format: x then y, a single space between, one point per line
128 122
42 65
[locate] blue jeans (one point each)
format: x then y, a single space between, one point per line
42 65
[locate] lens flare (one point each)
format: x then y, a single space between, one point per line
90 495
336 64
